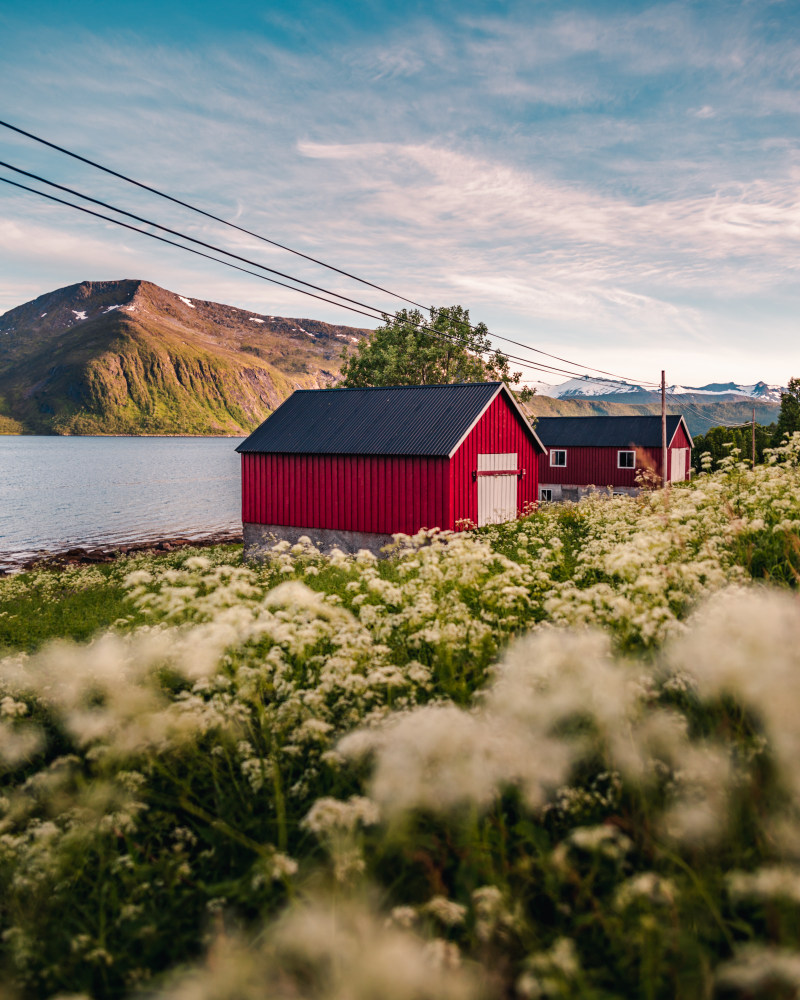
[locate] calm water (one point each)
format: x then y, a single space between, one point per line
60 492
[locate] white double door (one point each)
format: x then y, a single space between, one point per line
677 472
497 494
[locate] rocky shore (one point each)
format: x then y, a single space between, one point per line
86 556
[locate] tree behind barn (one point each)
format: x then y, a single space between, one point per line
410 349
789 417
719 441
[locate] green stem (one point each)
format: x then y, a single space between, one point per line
219 824
706 896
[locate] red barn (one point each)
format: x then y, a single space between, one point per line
582 452
352 467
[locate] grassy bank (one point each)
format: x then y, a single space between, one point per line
551 758
77 601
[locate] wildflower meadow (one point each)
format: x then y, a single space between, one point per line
556 757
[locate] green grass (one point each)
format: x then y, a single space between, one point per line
77 602
70 612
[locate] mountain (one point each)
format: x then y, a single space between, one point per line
699 417
129 357
702 406
599 388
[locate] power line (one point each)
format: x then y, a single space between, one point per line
540 367
201 211
184 236
534 366
162 239
699 413
236 267
210 215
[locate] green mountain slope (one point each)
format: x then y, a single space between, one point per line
699 418
128 357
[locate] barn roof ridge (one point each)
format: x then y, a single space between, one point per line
359 422
426 385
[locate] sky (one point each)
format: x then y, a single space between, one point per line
615 183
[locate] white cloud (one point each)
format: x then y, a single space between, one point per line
583 175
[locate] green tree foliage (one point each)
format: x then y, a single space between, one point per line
719 442
789 418
411 349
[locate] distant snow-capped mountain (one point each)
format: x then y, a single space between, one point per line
593 388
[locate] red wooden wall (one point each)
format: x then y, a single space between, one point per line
598 466
595 467
499 430
345 492
680 440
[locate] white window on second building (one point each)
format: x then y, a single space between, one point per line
558 457
545 494
626 459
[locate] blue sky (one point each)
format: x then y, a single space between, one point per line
616 183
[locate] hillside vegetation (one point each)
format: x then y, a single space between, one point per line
128 357
551 758
710 413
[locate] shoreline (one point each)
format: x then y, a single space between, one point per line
95 555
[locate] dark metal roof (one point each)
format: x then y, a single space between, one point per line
428 420
606 432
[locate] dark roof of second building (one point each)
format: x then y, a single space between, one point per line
605 432
427 420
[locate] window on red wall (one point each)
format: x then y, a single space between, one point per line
626 459
558 458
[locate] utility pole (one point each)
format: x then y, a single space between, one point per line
753 440
664 480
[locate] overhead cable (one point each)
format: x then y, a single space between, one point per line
202 211
699 413
375 313
255 274
181 246
183 236
265 239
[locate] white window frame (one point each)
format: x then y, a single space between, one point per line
626 451
558 451
543 491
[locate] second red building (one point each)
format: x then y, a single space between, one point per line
584 453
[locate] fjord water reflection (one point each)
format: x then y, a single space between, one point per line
60 492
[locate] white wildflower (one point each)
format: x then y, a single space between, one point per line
446 911
550 973
647 888
761 971
766 884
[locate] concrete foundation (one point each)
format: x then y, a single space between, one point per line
563 494
259 539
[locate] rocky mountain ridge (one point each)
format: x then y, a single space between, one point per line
129 357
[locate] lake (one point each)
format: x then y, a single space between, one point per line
63 492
